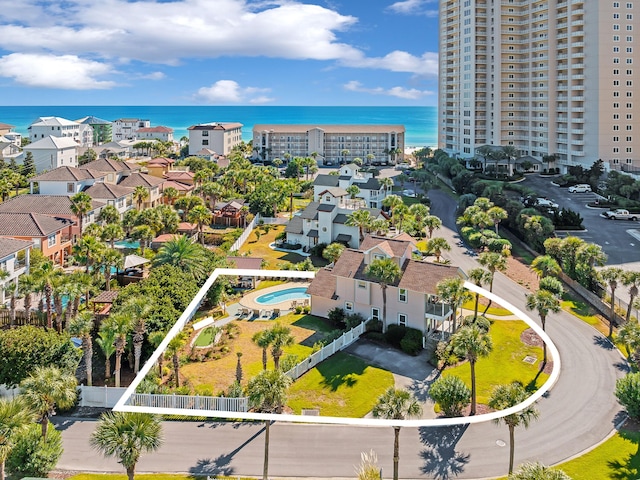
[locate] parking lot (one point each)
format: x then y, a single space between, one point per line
619 239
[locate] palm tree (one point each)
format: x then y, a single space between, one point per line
493 262
26 286
452 291
121 324
112 232
81 204
631 279
392 202
384 271
110 258
15 417
479 276
497 214
105 340
472 343
127 436
139 309
44 276
333 251
200 215
170 194
109 214
81 327
173 349
396 405
361 219
214 191
263 340
538 471
611 276
387 184
281 337
267 392
155 339
432 223
506 396
543 302
182 253
144 234
87 250
436 245
545 265
46 388
140 194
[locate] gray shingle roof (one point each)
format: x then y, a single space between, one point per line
31 224
326 180
311 212
370 184
294 225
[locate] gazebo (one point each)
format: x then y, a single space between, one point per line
132 270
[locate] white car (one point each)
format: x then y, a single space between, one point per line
545 202
408 193
580 188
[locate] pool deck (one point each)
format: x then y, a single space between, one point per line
248 301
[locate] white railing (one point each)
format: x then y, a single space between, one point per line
243 238
105 397
190 402
338 344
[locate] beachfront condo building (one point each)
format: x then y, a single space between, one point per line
549 77
217 137
330 144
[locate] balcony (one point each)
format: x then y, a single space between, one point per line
437 311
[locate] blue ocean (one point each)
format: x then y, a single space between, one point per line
420 122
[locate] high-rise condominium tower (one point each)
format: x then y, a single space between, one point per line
550 77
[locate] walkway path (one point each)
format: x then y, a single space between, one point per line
578 412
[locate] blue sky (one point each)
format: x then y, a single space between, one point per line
218 52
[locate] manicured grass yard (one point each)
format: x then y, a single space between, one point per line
218 375
262 250
505 363
617 458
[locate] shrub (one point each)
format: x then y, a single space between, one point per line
337 316
628 394
483 323
33 457
451 394
374 326
395 334
288 362
376 337
411 343
353 320
317 250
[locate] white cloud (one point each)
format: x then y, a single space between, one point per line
168 32
230 91
153 76
413 7
400 92
398 61
66 72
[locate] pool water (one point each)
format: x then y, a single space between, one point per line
133 244
296 293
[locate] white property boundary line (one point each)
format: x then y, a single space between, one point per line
437 422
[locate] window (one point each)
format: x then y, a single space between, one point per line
402 295
375 313
402 319
205 142
348 306
362 284
51 240
205 133
70 188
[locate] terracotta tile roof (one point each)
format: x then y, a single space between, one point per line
159 129
10 246
165 237
245 262
68 174
106 297
181 187
6 126
143 179
187 227
178 174
108 165
108 191
44 204
161 162
31 224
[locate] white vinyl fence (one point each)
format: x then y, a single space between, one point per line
338 344
245 234
190 402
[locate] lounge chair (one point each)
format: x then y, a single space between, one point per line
276 313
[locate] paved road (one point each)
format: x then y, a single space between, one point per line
577 413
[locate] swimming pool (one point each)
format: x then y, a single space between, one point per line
132 244
296 293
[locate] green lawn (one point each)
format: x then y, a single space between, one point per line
497 311
341 386
150 476
617 458
505 363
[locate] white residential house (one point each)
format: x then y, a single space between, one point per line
219 137
164 134
371 191
411 301
65 181
61 127
8 148
14 259
116 195
127 128
114 170
53 152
